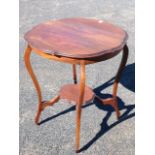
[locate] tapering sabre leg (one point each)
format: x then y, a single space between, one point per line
117 79
34 79
74 74
79 105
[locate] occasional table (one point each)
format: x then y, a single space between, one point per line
77 41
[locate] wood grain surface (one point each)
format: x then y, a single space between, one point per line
71 92
77 38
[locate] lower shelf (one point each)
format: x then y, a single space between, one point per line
71 92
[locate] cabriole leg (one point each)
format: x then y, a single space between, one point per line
34 79
41 104
117 79
113 101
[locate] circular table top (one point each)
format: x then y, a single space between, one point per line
77 37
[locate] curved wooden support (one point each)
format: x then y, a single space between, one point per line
117 79
34 79
30 70
51 102
41 104
45 104
121 67
78 106
113 101
74 74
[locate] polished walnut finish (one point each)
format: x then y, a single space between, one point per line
77 38
72 93
76 41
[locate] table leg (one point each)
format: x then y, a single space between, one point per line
34 79
117 79
41 104
113 101
74 74
79 105
121 67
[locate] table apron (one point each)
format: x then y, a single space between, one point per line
73 60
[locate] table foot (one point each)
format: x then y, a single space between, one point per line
37 117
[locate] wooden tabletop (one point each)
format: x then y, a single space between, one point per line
77 37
